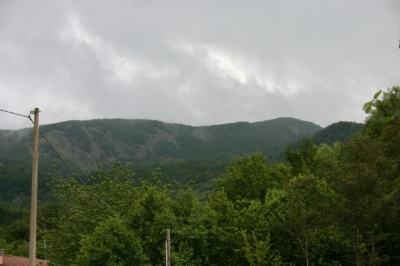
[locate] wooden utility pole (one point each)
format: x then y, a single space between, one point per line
168 248
32 235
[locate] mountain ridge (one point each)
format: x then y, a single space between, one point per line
131 141
181 152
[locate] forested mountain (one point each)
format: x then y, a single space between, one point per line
84 144
327 205
161 152
181 152
340 131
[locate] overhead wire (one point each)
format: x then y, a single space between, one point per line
70 168
2 110
79 178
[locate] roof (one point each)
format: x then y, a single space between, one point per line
20 261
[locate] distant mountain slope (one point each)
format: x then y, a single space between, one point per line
84 144
337 132
181 152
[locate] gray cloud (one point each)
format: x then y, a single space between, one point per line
196 62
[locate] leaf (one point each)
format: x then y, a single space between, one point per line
376 95
367 107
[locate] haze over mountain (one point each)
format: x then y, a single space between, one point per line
84 144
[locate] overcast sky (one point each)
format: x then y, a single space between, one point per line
196 62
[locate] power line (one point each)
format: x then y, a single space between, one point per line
27 116
79 178
69 167
59 155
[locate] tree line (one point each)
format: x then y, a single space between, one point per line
326 205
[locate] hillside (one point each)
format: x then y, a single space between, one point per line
181 152
337 132
84 144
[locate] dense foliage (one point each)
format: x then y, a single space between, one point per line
326 205
329 205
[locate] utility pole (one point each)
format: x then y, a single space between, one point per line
32 235
168 248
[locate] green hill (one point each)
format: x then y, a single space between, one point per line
84 144
337 132
182 152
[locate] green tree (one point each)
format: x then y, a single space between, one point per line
383 122
303 161
114 214
82 208
365 181
384 113
300 218
250 177
112 243
368 181
259 252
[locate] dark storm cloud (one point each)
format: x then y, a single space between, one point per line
196 62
